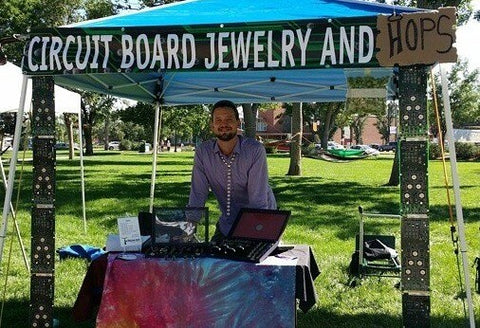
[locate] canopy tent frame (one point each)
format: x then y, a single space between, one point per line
24 95
458 199
115 77
15 222
13 161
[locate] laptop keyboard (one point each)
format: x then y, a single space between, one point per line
233 249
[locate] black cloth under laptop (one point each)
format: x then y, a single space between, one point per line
254 235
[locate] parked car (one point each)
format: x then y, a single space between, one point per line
114 145
63 145
367 149
391 146
330 145
334 145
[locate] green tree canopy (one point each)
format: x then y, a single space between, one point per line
464 90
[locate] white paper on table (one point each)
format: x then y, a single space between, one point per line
279 260
114 244
129 232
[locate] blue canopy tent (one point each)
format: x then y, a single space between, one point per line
212 29
201 51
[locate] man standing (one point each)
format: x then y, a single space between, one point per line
233 167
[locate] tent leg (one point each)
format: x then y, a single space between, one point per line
14 216
456 190
154 162
13 163
82 171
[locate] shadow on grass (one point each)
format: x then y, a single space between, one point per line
326 319
310 194
318 204
15 314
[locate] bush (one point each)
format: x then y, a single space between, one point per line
309 150
126 145
271 149
138 145
467 151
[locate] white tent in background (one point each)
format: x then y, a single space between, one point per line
11 78
11 84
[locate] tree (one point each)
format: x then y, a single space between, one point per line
384 122
250 117
180 122
141 114
464 8
154 3
18 17
296 143
464 87
94 107
326 114
100 8
358 110
186 122
69 119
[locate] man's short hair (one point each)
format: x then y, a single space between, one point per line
227 104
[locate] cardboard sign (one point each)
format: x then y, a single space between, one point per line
417 38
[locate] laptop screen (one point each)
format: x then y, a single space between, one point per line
259 224
179 225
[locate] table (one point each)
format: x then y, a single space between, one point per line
207 292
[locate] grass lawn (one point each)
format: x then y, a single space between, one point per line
323 202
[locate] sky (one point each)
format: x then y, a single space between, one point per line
468 43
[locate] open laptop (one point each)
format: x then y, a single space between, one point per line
178 232
259 224
254 235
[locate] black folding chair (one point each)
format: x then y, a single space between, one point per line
375 254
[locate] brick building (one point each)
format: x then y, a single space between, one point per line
274 124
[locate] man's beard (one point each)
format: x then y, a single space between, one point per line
226 136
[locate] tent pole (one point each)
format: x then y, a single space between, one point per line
82 171
154 162
456 190
17 229
13 163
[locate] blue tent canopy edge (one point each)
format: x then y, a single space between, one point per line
177 87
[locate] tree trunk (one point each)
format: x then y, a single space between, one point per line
106 131
327 125
175 141
394 175
87 130
250 117
296 142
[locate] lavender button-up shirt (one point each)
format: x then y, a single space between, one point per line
240 180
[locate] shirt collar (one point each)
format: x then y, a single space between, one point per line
236 149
